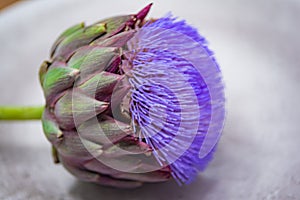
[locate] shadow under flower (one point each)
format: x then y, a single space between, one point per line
169 190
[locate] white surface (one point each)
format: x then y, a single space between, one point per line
257 45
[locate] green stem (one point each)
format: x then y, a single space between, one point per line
21 112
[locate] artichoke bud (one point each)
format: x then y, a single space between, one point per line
123 98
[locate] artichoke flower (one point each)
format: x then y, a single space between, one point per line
132 101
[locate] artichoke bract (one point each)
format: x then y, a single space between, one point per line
131 101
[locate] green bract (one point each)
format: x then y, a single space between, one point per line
84 85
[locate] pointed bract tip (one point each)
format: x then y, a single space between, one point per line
142 14
75 72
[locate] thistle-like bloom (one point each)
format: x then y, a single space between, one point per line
130 100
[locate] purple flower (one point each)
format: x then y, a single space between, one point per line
130 100
171 101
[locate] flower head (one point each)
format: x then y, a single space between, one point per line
133 100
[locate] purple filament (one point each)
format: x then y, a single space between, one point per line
170 98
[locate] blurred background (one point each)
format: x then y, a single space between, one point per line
257 45
5 3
